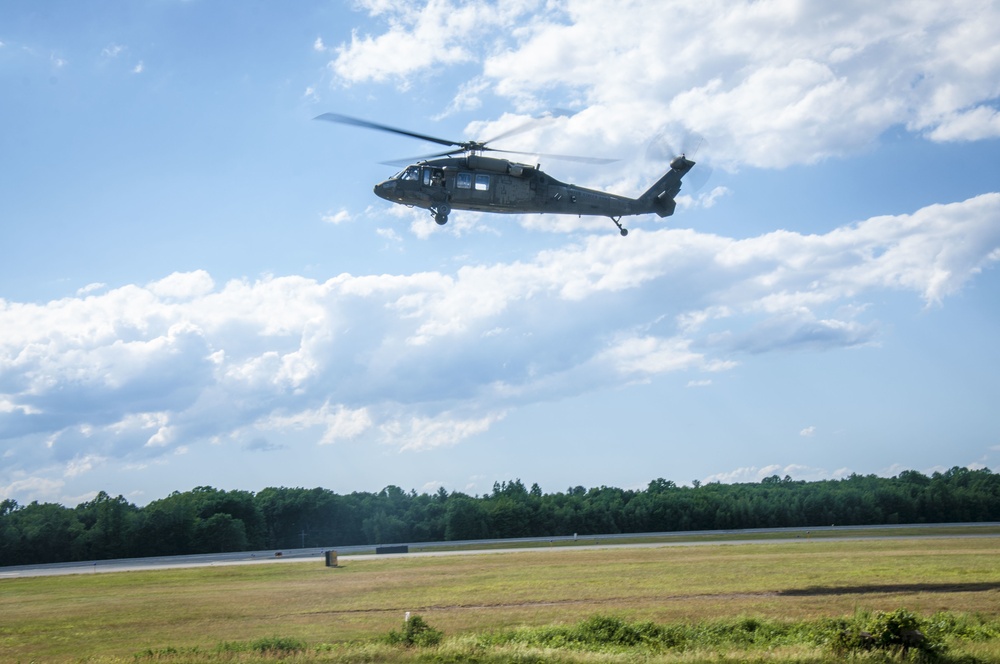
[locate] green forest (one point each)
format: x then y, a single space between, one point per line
209 520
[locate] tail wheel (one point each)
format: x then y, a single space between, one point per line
618 223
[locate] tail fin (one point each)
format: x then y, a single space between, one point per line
660 197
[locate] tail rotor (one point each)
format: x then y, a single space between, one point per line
672 142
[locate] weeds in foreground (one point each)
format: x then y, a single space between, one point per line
896 636
895 633
278 645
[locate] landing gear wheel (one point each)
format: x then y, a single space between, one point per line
618 223
624 232
441 214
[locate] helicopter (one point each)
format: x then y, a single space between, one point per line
462 178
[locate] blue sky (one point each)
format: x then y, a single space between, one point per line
197 285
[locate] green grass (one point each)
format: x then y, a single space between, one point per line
342 614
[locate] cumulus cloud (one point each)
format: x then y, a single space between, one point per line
112 50
417 38
772 83
420 361
335 422
32 488
337 217
422 433
799 472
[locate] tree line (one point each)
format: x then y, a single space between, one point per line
209 520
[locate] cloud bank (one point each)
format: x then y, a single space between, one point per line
417 361
772 82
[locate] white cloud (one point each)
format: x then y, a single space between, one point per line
135 373
90 288
337 217
808 432
162 438
651 355
112 50
32 488
388 234
81 465
968 125
337 422
798 472
425 35
423 433
743 475
183 285
8 406
772 83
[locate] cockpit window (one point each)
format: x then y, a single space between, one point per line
412 173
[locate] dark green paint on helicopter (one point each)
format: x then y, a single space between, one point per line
485 184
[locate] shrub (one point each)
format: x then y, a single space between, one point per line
894 632
416 632
277 644
612 631
267 645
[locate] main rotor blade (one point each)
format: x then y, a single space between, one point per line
423 157
521 128
344 119
561 157
466 146
536 121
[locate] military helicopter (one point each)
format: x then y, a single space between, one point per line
444 182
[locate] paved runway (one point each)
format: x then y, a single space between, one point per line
567 543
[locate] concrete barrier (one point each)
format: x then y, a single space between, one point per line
396 548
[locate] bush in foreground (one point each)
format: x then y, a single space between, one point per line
897 633
416 632
275 645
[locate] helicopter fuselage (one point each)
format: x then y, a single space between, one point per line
486 184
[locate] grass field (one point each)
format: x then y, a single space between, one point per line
185 614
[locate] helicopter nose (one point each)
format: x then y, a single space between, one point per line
382 189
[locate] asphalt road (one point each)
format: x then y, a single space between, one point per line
689 538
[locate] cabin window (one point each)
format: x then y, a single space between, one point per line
464 181
427 177
482 182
